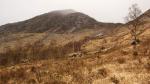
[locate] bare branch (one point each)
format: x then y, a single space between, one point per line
134 23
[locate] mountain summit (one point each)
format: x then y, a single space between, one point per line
63 12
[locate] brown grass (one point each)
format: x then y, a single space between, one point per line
48 64
114 80
38 51
8 75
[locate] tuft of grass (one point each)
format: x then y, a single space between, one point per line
121 60
114 80
147 66
103 72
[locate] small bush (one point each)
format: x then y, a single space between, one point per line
147 66
135 53
114 80
124 52
103 72
121 60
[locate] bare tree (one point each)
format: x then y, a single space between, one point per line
134 23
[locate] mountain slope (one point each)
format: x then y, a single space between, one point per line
56 21
60 21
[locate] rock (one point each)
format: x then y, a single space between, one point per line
76 54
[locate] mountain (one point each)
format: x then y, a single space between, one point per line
56 21
60 21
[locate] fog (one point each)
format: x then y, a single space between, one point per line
101 10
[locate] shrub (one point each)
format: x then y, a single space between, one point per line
114 80
121 60
103 72
147 66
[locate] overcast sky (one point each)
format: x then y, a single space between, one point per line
101 10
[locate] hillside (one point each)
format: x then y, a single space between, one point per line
61 21
100 55
61 25
56 21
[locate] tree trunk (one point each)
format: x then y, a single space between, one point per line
135 52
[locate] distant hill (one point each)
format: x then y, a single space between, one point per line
60 21
56 21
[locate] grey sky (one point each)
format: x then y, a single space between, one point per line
101 10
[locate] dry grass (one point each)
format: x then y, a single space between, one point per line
38 51
49 64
